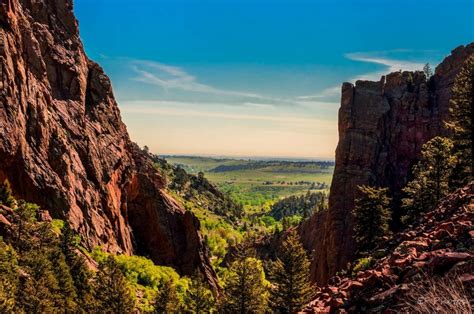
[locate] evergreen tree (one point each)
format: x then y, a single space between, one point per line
166 300
431 178
245 287
80 273
66 292
26 216
112 290
69 242
6 197
8 278
290 276
460 123
371 214
82 277
428 71
37 292
199 298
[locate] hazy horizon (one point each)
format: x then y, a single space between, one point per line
246 157
256 78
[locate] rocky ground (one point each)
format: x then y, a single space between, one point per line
439 249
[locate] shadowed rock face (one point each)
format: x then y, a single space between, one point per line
64 146
382 126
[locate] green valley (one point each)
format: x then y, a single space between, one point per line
238 199
257 184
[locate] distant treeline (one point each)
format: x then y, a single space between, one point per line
313 185
301 205
253 165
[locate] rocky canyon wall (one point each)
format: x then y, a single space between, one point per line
64 146
382 126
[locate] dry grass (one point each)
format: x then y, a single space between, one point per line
439 295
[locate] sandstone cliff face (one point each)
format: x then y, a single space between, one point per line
63 144
382 126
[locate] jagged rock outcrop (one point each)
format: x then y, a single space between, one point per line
63 144
382 126
440 246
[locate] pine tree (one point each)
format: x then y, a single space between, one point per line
26 216
37 293
290 276
460 123
371 215
68 242
8 278
166 300
431 178
428 71
199 298
80 273
245 287
112 290
82 277
6 197
66 292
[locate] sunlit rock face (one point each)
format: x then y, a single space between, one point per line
382 126
64 146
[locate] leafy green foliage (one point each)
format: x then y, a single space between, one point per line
166 299
362 264
6 197
245 286
302 205
26 218
197 189
41 272
9 280
114 293
290 276
431 178
371 215
199 298
290 221
460 123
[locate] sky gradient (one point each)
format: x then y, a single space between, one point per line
256 78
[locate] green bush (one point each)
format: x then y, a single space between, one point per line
362 264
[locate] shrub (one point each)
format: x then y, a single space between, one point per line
438 295
362 264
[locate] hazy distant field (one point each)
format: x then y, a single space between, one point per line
257 184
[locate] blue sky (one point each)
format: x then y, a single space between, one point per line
256 78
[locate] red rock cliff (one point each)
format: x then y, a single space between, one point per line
382 126
63 144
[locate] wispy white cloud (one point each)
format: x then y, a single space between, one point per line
391 65
375 57
258 105
325 93
172 77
